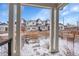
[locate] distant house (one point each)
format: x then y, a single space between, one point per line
47 24
3 27
39 22
23 24
71 27
61 26
31 25
38 25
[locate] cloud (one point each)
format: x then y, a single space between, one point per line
4 16
69 9
75 9
4 12
22 9
65 13
69 19
43 14
65 7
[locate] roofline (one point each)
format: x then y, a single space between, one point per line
35 5
62 5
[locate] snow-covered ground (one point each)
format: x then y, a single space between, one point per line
4 50
40 48
76 47
4 34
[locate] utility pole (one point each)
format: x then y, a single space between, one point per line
77 25
63 20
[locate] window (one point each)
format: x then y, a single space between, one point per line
6 29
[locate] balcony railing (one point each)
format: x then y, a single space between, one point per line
5 48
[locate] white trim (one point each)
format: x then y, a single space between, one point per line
11 27
54 31
18 34
61 6
34 5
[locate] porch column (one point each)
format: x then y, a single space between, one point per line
54 31
11 28
18 37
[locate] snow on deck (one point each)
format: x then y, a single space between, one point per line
4 34
40 48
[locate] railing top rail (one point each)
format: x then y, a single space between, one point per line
4 42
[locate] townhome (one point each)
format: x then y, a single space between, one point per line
31 25
37 25
23 24
61 26
3 27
